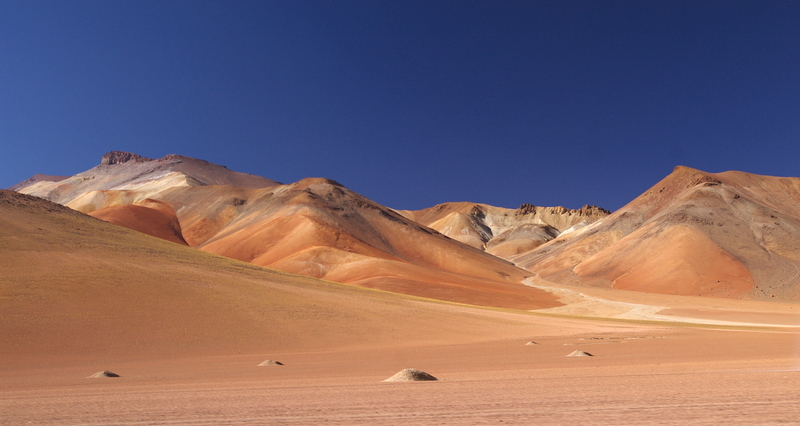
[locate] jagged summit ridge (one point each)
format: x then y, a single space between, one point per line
587 210
120 157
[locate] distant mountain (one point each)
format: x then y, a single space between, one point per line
730 234
124 171
505 233
314 227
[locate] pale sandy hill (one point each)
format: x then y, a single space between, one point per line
504 232
37 178
731 234
411 375
127 171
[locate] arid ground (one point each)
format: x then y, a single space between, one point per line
639 374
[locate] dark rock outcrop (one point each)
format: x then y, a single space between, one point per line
119 157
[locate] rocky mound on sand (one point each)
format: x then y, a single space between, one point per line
269 363
411 375
580 353
101 374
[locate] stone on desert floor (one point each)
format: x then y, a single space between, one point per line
410 375
269 362
531 343
100 374
580 353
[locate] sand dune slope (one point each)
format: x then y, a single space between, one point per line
729 234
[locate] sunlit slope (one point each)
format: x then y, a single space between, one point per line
72 285
141 177
730 234
318 228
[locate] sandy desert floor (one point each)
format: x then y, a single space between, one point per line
641 373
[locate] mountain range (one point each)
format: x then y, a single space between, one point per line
726 235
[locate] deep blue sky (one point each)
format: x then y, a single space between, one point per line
409 103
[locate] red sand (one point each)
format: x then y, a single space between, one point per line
639 374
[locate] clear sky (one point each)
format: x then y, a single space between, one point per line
410 103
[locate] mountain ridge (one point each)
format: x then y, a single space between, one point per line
729 235
314 227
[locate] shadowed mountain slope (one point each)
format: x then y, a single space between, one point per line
730 234
76 287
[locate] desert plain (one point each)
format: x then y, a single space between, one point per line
186 328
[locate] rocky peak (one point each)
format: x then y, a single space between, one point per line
525 209
477 211
119 157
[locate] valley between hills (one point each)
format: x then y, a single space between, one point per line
182 276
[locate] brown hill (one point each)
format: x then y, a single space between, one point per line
314 227
76 288
504 232
731 234
318 228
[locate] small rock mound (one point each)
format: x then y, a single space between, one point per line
269 362
531 343
580 353
411 375
100 374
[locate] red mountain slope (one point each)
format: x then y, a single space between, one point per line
728 234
